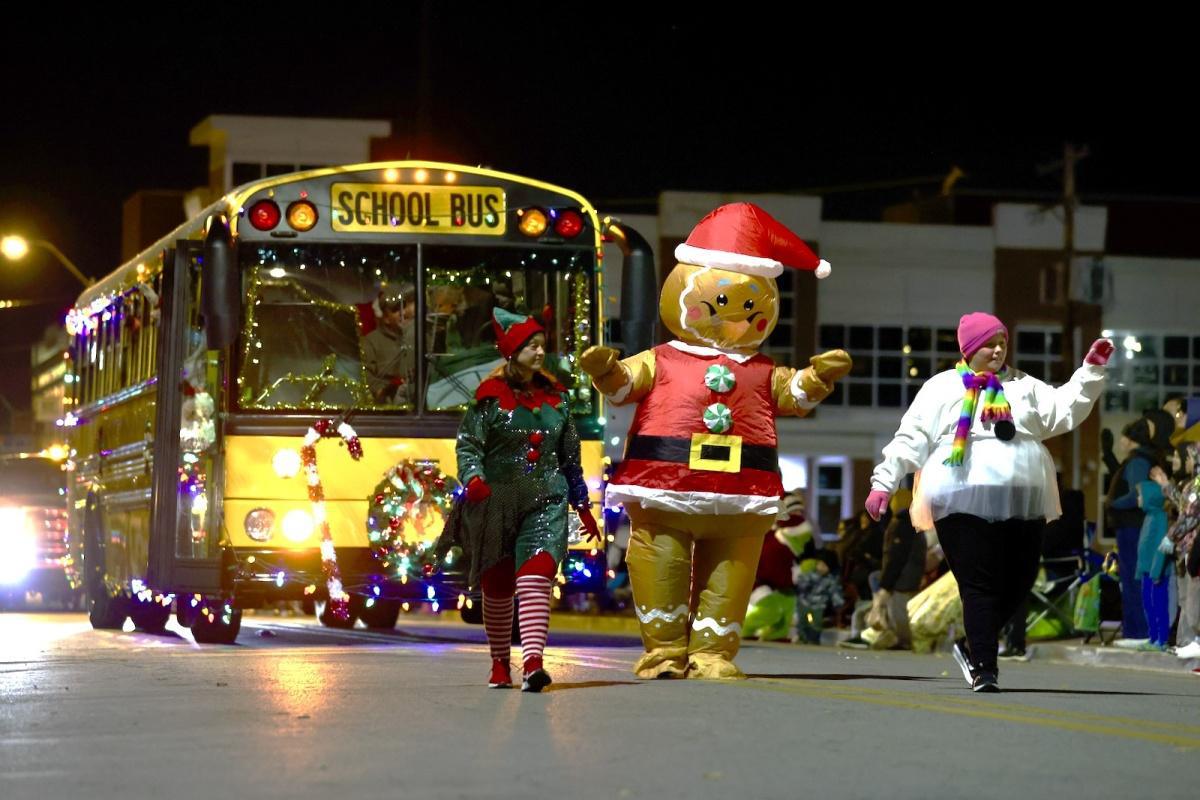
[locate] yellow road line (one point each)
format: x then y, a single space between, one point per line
1085 723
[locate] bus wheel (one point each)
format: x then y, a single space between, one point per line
330 621
473 614
381 615
219 626
107 612
149 616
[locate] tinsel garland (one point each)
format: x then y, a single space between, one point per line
339 601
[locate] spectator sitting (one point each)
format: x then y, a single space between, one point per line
816 591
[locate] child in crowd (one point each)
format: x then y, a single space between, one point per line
816 591
1154 550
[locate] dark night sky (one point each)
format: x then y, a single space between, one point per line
614 101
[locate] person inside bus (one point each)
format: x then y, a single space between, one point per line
388 350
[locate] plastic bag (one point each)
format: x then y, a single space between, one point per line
1086 616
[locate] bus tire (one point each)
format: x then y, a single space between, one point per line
382 615
473 614
330 621
216 630
149 616
108 612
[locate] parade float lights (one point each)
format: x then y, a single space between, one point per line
18 546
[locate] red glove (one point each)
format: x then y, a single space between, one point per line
477 490
876 503
396 381
589 524
1102 350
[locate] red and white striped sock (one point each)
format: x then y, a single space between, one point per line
497 621
533 616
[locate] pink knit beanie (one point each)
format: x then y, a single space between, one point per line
975 329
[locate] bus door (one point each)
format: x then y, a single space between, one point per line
185 551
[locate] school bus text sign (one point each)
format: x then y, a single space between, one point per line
384 207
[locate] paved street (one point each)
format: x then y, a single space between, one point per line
295 710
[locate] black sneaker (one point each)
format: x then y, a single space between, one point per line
985 682
959 651
856 643
536 681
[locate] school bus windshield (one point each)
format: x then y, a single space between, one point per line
331 326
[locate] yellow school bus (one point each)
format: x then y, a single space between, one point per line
201 365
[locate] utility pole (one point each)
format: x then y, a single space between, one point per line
1072 155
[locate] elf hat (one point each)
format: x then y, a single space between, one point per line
513 331
741 237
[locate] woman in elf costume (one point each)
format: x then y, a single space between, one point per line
986 481
518 457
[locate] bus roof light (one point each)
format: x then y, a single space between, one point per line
533 222
264 215
569 223
302 215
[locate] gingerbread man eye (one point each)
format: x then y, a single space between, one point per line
722 300
749 304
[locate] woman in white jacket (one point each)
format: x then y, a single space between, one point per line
985 481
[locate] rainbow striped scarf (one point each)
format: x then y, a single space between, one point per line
995 407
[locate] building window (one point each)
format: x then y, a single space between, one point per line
831 492
1147 368
1038 351
244 172
891 362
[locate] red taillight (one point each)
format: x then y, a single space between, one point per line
569 223
264 215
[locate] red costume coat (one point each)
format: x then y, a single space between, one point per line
673 461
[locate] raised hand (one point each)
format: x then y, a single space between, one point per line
1100 352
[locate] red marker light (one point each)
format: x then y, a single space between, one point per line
569 223
264 215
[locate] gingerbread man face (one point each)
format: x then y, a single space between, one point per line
719 308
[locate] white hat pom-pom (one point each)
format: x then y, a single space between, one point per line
823 269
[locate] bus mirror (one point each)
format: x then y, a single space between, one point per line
639 287
220 287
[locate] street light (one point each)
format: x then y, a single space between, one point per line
14 248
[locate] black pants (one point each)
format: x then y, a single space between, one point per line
995 564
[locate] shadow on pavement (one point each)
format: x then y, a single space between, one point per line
562 687
837 676
1099 692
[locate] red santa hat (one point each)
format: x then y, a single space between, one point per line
741 237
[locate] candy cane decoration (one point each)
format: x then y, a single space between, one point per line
339 601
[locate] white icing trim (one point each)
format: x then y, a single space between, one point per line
679 613
692 502
620 394
801 395
701 350
734 262
734 628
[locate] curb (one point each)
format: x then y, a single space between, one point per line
1112 657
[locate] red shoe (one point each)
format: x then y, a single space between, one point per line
535 678
501 676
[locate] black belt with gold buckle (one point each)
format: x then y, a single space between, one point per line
679 450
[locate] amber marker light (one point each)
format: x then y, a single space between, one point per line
302 215
534 222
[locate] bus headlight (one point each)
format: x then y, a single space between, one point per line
286 463
297 525
259 524
18 546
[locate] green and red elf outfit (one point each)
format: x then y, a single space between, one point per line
518 457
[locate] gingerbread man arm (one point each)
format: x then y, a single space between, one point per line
620 381
798 391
